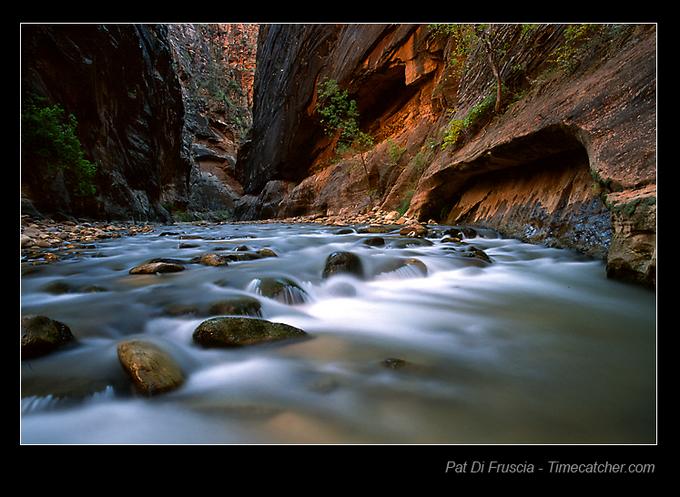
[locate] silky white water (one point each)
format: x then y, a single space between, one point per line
536 347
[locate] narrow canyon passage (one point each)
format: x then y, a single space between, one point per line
338 234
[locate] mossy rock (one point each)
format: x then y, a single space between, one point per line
41 335
228 332
343 262
266 252
151 369
236 306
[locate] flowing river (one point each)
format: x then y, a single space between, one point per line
536 347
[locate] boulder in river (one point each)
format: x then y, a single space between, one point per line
266 252
461 233
240 331
151 369
345 231
237 306
41 335
281 289
375 241
155 266
211 259
414 230
377 228
470 251
343 262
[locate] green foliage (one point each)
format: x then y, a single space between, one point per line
473 117
452 133
50 145
528 28
421 159
464 36
395 151
405 203
576 38
182 216
338 114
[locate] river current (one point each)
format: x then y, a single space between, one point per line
536 347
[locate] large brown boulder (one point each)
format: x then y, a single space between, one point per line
41 335
151 369
230 332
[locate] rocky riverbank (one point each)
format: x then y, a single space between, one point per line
44 241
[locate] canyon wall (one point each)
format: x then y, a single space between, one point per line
569 160
119 82
161 110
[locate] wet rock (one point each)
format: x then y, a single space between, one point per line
157 266
242 256
191 237
345 231
50 257
57 288
189 245
210 260
406 263
169 233
237 332
450 239
414 230
395 363
343 262
151 369
281 289
461 233
237 306
375 241
266 252
474 252
377 228
41 335
26 241
242 248
93 289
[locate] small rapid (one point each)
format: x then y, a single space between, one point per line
431 345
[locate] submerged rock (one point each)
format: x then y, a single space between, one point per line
41 335
474 252
375 241
189 245
151 369
345 231
266 252
238 332
343 262
394 363
281 289
157 266
58 288
418 265
239 306
450 239
180 310
410 242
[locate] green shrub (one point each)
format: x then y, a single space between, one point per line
405 203
395 151
473 117
50 144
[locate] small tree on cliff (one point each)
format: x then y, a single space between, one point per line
339 115
465 37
